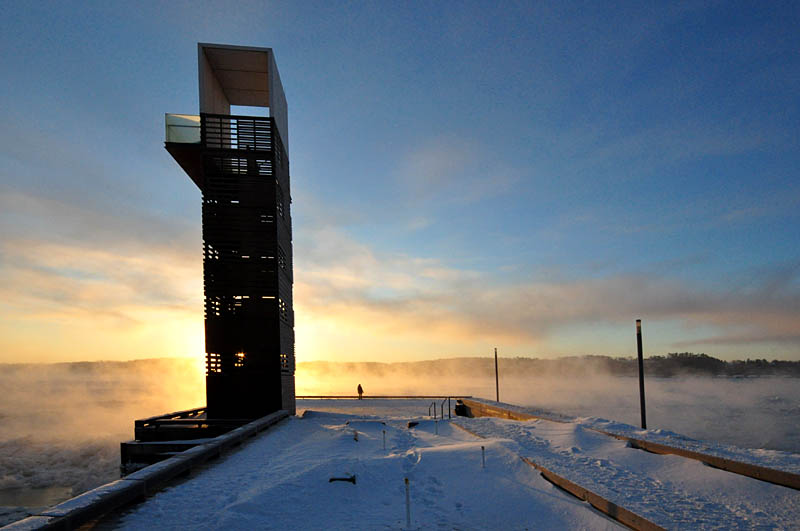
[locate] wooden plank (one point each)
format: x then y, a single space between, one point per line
605 506
770 475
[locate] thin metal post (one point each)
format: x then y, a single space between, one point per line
448 407
641 372
408 506
436 426
483 457
496 377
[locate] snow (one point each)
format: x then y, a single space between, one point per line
775 459
281 479
668 490
779 460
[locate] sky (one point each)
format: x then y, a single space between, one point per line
530 176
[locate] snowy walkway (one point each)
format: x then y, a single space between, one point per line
669 490
280 479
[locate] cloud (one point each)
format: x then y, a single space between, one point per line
354 300
124 278
362 290
81 284
54 278
454 170
90 221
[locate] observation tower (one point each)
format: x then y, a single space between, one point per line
240 163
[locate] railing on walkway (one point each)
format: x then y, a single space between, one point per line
431 408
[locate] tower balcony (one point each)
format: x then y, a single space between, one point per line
188 136
182 128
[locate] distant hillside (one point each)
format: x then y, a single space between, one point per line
673 364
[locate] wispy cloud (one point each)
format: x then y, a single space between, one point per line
430 300
454 170
127 284
77 283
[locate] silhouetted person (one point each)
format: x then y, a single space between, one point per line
360 392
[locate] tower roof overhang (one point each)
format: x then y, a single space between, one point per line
241 75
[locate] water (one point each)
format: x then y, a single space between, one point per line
746 412
34 497
61 424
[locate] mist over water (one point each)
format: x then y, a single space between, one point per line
61 424
754 412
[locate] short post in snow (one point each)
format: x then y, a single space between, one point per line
483 457
448 407
408 506
641 372
496 377
384 439
436 426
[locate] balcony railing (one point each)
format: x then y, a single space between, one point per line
251 133
225 131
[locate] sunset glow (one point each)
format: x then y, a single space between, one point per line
535 184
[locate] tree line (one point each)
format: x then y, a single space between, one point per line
672 364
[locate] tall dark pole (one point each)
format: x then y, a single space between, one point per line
496 377
641 372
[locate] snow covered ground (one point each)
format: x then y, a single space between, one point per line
281 479
669 490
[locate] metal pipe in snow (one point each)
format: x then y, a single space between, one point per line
496 377
408 506
483 457
641 372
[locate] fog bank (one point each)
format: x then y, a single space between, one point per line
61 424
757 412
